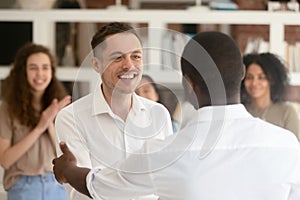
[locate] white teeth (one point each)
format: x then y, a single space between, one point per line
127 76
39 81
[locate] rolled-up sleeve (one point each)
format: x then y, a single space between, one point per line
110 183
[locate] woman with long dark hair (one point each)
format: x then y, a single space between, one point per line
32 96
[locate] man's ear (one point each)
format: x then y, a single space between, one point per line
191 91
191 85
96 64
244 72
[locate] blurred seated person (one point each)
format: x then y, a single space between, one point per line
263 91
148 89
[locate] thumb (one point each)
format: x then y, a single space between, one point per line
64 148
66 152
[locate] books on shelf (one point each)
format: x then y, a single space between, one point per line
172 46
291 56
256 45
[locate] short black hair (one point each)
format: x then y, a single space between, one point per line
220 50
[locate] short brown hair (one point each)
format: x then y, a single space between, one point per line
111 29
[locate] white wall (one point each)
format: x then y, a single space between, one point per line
2 192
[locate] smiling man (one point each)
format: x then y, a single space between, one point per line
222 153
105 127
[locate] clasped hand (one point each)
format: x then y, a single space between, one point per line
63 163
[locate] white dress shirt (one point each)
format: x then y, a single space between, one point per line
98 137
222 153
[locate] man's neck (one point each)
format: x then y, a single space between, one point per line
120 103
205 100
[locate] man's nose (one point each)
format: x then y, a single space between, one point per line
128 63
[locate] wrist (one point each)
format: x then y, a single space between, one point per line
38 130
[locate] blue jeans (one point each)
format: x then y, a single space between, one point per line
41 187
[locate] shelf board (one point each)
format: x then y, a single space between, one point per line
163 16
63 73
165 77
43 29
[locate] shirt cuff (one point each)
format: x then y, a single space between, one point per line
89 182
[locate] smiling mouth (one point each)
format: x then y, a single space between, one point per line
127 76
39 81
254 92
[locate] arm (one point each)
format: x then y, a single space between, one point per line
66 130
51 132
292 121
66 170
99 183
10 154
51 129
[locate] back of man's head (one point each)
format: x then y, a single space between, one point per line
210 55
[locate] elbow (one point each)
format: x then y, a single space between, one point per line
5 165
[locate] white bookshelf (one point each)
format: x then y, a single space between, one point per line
44 33
169 78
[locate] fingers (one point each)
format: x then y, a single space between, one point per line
48 115
53 161
56 105
65 101
58 172
54 101
53 107
51 111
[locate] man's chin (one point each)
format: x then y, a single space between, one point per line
124 91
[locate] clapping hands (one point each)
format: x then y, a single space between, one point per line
49 114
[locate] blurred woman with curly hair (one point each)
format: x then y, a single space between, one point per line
32 96
263 91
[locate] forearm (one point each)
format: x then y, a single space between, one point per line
15 152
76 177
52 135
103 184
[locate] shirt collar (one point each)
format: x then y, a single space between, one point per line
209 113
137 104
100 106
